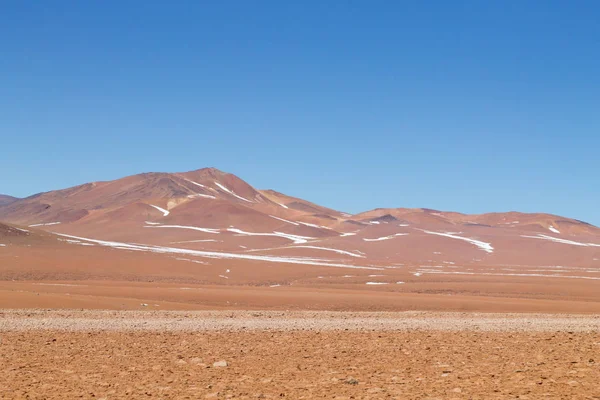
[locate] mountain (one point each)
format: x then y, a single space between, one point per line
5 199
152 225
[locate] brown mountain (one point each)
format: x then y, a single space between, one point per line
195 226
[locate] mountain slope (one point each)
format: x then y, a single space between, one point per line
5 199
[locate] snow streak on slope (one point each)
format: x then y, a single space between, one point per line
487 247
162 210
231 192
195 183
328 249
194 228
553 229
218 255
208 196
559 240
284 220
385 237
46 224
295 238
313 225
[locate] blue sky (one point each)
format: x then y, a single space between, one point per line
467 106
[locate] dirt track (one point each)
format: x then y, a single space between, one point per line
64 354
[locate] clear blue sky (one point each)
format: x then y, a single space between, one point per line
471 106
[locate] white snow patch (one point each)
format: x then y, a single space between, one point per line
194 261
295 238
376 283
219 255
553 229
348 276
559 240
404 225
374 222
384 237
328 249
194 228
373 276
400 283
274 285
22 230
223 276
2 245
231 192
162 210
487 247
46 224
314 225
348 234
152 223
282 205
197 241
417 274
195 183
284 220
208 196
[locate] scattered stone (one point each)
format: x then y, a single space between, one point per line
220 364
351 381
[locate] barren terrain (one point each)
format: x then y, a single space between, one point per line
100 354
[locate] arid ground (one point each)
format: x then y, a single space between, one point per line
296 355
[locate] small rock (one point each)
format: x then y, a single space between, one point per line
457 390
351 381
220 364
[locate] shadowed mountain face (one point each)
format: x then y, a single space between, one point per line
210 213
5 199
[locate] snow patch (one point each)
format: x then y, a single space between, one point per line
384 237
197 241
284 220
162 210
313 225
295 238
328 249
231 192
487 247
553 229
208 196
194 261
46 224
218 255
559 240
194 228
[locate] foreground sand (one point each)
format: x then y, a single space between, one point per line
95 354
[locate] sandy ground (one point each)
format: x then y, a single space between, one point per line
297 355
